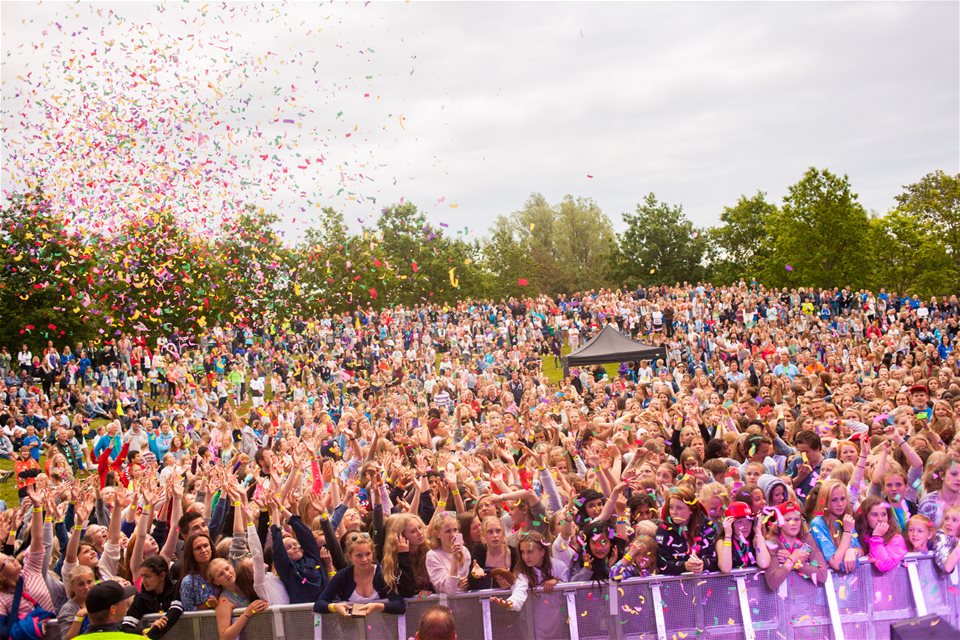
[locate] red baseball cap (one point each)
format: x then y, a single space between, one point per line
738 510
788 507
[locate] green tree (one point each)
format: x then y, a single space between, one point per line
258 270
909 256
416 261
47 276
556 249
157 275
742 242
659 245
585 240
324 275
935 199
820 232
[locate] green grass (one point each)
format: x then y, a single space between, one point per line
554 373
8 490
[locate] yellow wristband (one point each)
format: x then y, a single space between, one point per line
330 574
627 557
331 608
441 504
455 492
237 503
78 619
38 509
727 543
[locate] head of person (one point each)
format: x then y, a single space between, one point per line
790 520
192 523
920 531
437 623
360 552
443 530
833 501
871 513
492 533
487 507
743 518
753 496
197 553
293 548
919 395
108 602
848 451
684 509
752 472
155 574
470 527
87 555
534 554
602 542
221 573
951 521
808 442
590 505
714 497
81 580
947 475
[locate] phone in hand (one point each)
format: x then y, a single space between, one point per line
458 539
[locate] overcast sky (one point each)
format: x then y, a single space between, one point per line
477 105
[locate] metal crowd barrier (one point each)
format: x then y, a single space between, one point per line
856 606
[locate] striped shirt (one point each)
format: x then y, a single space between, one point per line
34 586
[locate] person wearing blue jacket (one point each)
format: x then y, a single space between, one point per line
359 589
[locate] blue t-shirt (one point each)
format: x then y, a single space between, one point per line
34 443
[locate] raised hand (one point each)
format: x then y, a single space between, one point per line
728 527
36 496
848 522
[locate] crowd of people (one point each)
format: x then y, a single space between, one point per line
355 460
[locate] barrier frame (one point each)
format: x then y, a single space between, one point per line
847 607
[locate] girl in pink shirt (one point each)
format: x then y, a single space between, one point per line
880 534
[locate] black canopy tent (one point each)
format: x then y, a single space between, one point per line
612 346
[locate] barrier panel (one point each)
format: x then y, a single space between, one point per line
859 605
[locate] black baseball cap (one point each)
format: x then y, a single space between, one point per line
108 593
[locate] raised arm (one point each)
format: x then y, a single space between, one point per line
148 497
36 522
110 560
175 499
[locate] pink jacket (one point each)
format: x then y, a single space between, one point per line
887 556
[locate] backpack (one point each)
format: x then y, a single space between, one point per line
31 626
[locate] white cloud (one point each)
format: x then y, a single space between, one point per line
698 103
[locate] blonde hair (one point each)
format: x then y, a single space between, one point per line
77 572
842 472
822 507
483 530
954 508
433 531
715 490
389 565
215 562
